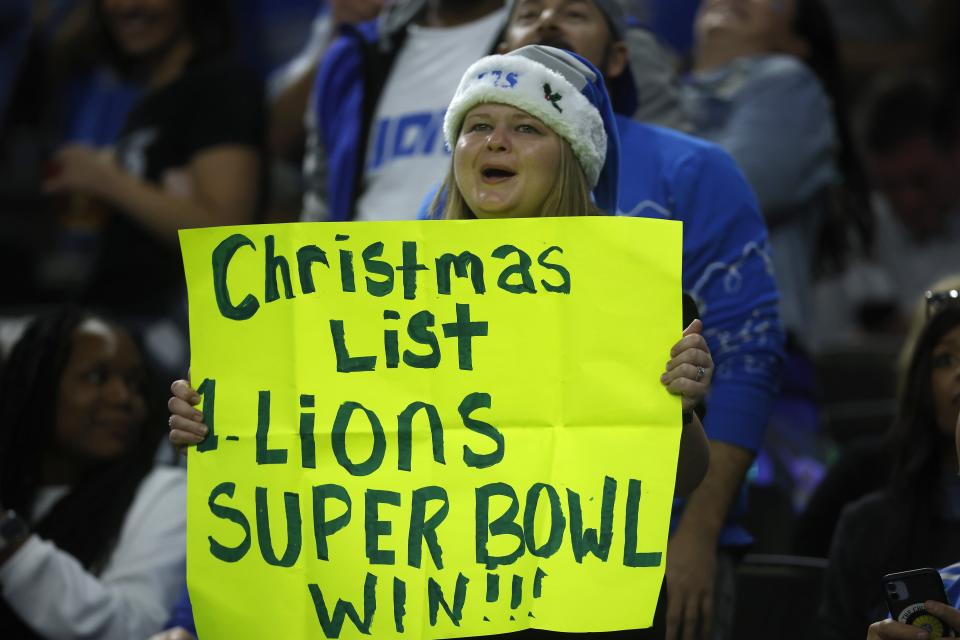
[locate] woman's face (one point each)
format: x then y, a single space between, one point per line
506 162
143 27
100 402
945 380
762 22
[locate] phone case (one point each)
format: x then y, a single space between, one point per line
906 592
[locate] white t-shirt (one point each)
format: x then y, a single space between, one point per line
406 155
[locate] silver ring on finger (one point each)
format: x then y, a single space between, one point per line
170 422
700 373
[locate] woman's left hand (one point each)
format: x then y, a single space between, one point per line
82 169
892 630
690 368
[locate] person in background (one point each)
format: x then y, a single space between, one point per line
188 155
893 630
948 613
911 139
764 81
92 535
918 512
845 480
289 87
912 143
378 105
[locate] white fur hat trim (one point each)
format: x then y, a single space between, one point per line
543 93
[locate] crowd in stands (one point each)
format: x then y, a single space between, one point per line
810 147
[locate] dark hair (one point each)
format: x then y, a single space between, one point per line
904 108
29 386
914 435
915 443
848 205
87 40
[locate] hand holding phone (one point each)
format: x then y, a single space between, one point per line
907 591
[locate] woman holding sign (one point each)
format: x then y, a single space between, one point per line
533 135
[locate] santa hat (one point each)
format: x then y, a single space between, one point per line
562 90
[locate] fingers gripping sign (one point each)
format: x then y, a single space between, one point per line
187 427
690 369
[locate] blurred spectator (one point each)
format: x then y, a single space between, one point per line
379 101
874 35
289 89
88 97
290 83
911 136
188 155
912 140
93 536
764 87
915 521
863 466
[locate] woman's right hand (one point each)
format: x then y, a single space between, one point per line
186 423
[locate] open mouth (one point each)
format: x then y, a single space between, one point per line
493 175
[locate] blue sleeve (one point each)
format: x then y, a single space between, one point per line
951 583
337 109
727 270
781 134
424 213
182 615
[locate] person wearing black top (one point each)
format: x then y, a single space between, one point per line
190 153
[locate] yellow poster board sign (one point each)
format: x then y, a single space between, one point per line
431 429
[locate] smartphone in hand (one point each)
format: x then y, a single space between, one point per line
906 592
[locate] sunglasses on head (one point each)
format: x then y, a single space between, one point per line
937 300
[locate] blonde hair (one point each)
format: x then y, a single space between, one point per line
569 197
